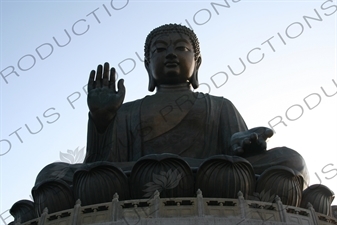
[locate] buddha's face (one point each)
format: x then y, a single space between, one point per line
172 59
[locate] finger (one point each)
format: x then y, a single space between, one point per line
112 79
269 133
91 82
121 88
99 76
105 79
253 137
237 149
245 142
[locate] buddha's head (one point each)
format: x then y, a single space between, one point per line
172 56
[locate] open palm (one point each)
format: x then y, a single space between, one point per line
103 99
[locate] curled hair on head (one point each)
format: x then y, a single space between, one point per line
171 28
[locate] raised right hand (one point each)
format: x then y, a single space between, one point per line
103 99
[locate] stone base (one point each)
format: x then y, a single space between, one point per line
184 211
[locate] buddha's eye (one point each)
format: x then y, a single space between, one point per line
182 48
159 49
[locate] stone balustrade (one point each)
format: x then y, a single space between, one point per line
196 210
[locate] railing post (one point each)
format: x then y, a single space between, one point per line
200 204
76 213
281 209
156 203
242 205
314 216
115 208
43 217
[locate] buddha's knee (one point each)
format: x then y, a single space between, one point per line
280 156
287 157
57 171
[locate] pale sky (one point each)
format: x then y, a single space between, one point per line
289 81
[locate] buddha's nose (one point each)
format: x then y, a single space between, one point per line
170 53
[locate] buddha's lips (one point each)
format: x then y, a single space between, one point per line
171 64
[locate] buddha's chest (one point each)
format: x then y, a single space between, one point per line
162 114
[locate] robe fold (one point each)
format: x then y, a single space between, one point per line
204 130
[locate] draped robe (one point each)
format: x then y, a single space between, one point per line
192 125
184 123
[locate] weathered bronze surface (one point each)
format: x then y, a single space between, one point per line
174 141
175 119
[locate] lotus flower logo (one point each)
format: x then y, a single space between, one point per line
73 156
59 171
162 181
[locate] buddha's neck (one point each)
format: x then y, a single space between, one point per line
174 88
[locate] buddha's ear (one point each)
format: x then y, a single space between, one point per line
152 83
194 79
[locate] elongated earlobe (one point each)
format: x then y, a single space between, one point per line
194 79
152 82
